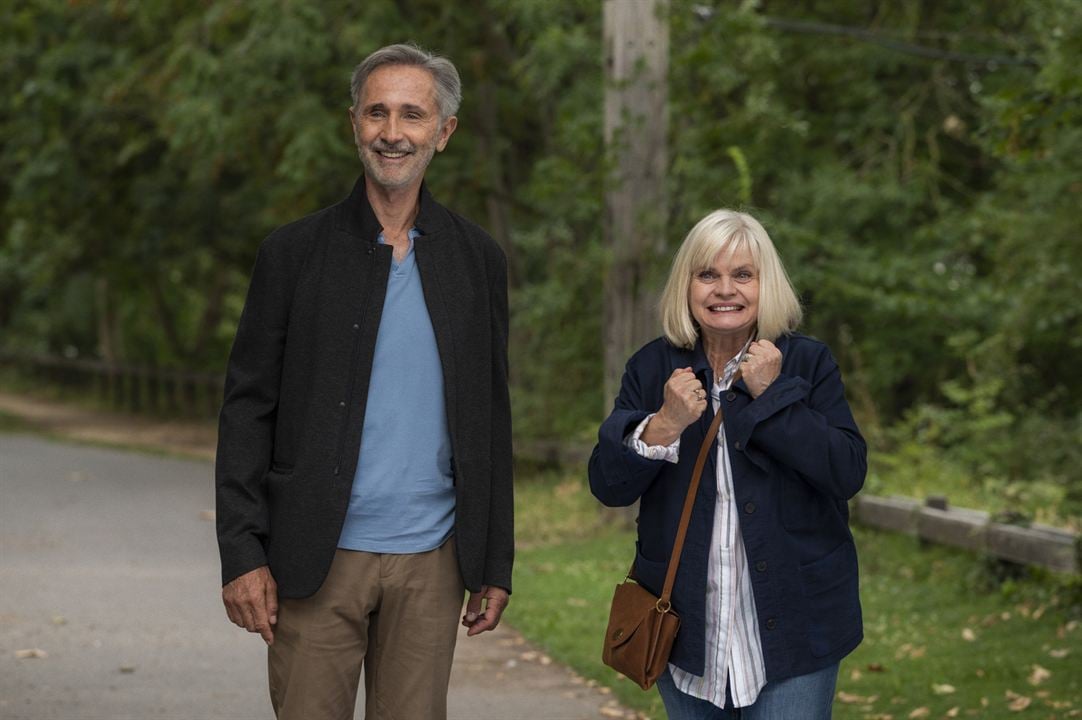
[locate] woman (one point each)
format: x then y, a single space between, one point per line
767 584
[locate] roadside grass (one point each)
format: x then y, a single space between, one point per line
14 424
947 634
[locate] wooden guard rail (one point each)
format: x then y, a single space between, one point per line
931 521
976 530
124 387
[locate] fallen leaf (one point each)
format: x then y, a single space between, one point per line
127 669
979 672
1038 612
577 602
880 716
953 712
1059 653
968 635
921 712
31 654
1038 675
855 675
612 712
943 689
875 667
1017 702
852 699
59 620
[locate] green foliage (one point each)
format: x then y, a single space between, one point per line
925 203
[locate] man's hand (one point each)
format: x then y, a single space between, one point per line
478 620
251 601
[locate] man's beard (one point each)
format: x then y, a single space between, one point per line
418 158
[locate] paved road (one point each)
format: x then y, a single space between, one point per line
108 565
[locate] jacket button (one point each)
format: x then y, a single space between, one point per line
731 396
356 326
749 508
341 403
771 624
736 444
761 566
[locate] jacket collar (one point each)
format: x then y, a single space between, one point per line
356 216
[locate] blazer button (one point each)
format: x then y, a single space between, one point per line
731 396
761 566
356 326
341 403
749 508
771 624
736 444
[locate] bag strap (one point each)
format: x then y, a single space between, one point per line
663 604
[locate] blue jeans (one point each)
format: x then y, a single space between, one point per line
804 697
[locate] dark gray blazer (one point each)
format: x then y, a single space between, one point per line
297 385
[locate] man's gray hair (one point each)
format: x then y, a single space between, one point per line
448 84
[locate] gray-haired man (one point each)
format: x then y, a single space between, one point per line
364 455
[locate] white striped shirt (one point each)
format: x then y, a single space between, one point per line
734 653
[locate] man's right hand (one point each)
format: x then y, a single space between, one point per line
251 601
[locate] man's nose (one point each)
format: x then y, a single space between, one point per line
392 130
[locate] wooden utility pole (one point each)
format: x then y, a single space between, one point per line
636 46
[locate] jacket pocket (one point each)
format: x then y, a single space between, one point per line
832 599
649 573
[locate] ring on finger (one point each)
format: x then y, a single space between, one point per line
700 394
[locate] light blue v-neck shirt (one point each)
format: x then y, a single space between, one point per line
403 498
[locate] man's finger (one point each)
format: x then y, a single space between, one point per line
272 602
473 606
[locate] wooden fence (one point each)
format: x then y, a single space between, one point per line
129 388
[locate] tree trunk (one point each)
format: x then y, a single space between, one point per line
636 46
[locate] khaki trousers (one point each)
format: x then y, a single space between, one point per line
395 614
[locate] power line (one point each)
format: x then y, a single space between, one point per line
706 13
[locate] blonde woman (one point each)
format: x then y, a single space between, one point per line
767 584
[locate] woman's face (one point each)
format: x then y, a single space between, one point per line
724 297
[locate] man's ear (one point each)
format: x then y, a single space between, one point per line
448 128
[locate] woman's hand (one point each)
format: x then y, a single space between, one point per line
761 366
685 401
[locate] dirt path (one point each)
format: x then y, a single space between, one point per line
499 676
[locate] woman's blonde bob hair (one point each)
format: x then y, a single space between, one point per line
727 231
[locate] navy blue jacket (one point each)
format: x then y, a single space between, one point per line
797 457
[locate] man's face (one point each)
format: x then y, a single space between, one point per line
396 124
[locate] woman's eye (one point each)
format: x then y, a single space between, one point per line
707 276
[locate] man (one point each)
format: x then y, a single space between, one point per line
364 452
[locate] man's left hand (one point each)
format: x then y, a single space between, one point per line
479 619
